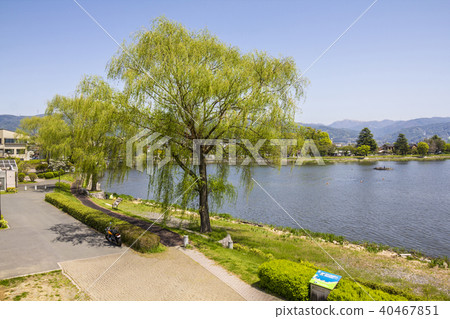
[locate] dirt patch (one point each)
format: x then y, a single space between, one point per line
51 286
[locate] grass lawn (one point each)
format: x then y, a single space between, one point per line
258 243
50 286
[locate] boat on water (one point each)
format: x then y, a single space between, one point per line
384 168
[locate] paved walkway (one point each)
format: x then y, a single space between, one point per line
40 235
170 275
245 290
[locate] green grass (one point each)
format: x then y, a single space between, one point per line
69 177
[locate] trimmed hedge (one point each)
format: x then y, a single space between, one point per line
348 290
290 280
49 175
40 175
100 221
286 278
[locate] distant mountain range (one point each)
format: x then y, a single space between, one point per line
11 122
345 131
387 131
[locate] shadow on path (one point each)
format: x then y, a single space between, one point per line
77 235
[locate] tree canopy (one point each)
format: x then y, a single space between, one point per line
366 138
422 148
191 86
401 145
436 144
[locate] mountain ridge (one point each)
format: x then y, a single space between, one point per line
386 131
345 131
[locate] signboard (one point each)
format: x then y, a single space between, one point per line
325 279
116 202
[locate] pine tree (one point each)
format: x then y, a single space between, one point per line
401 145
366 138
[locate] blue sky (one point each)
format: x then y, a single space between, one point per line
394 63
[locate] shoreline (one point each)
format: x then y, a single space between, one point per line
341 240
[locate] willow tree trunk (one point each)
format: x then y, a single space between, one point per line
205 225
94 180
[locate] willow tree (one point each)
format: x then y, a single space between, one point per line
49 133
96 138
189 86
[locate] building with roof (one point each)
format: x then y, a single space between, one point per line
8 174
11 146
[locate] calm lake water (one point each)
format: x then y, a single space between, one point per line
408 206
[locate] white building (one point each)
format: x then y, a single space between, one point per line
8 174
10 146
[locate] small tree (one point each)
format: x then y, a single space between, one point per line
422 148
363 150
366 138
401 145
32 176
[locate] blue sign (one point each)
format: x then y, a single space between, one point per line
325 279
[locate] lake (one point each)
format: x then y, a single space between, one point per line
408 206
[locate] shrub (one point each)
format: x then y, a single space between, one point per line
99 221
11 190
286 278
40 175
49 175
32 176
3 223
348 290
41 167
290 280
21 177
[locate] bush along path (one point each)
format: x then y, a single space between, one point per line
168 238
97 220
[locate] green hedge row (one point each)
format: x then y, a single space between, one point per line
290 280
100 221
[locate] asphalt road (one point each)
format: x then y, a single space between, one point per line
40 236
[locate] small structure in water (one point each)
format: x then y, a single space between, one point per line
384 168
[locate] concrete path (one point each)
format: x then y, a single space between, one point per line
40 235
245 290
170 275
